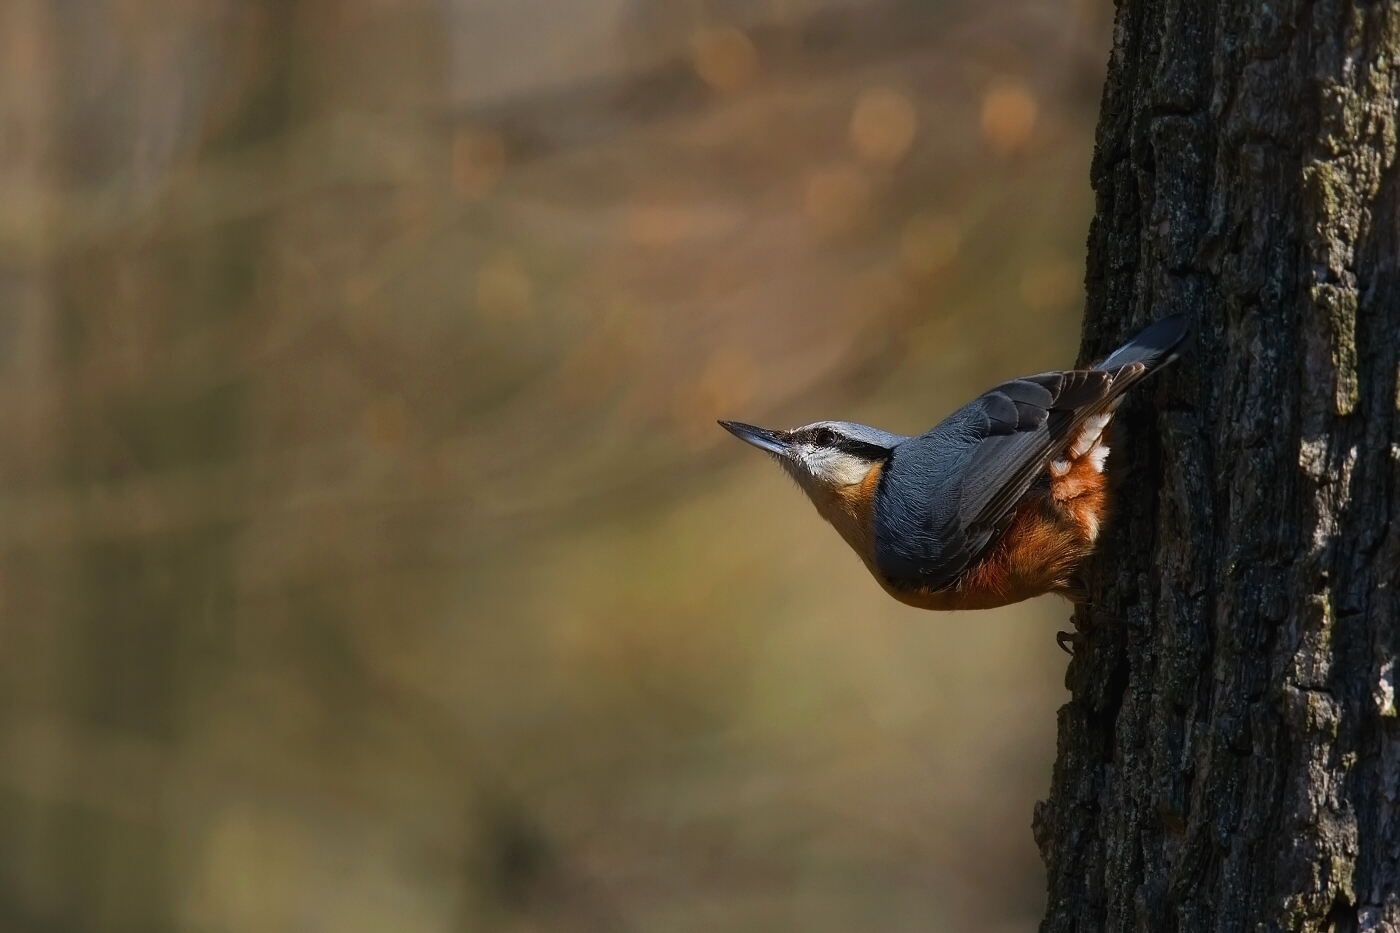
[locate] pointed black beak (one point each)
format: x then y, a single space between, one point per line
762 438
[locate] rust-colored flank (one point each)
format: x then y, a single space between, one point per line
1049 534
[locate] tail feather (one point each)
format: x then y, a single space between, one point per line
1155 347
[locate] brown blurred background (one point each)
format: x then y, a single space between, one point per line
369 557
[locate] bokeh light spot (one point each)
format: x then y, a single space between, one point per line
724 58
503 287
1009 113
882 127
657 225
24 55
834 196
478 160
602 359
386 422
928 243
727 380
725 386
359 287
1051 285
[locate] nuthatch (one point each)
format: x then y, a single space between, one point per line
998 503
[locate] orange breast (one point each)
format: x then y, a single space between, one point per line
850 510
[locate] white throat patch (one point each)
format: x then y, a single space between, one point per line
833 468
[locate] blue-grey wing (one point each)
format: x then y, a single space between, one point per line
948 492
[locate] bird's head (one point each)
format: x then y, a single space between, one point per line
826 455
834 462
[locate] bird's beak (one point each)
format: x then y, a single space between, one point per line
762 438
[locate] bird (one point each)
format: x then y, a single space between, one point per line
1000 502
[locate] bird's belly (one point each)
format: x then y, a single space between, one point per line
1037 554
1051 532
954 597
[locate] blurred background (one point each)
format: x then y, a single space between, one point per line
369 557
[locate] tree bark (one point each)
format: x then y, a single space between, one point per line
1230 758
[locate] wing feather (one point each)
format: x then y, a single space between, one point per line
948 493
998 474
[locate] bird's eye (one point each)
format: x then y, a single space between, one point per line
824 437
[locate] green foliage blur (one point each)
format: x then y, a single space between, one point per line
369 557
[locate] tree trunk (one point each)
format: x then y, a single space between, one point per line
1230 759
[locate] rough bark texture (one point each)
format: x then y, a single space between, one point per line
1230 759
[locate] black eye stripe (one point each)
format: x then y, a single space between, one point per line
826 437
